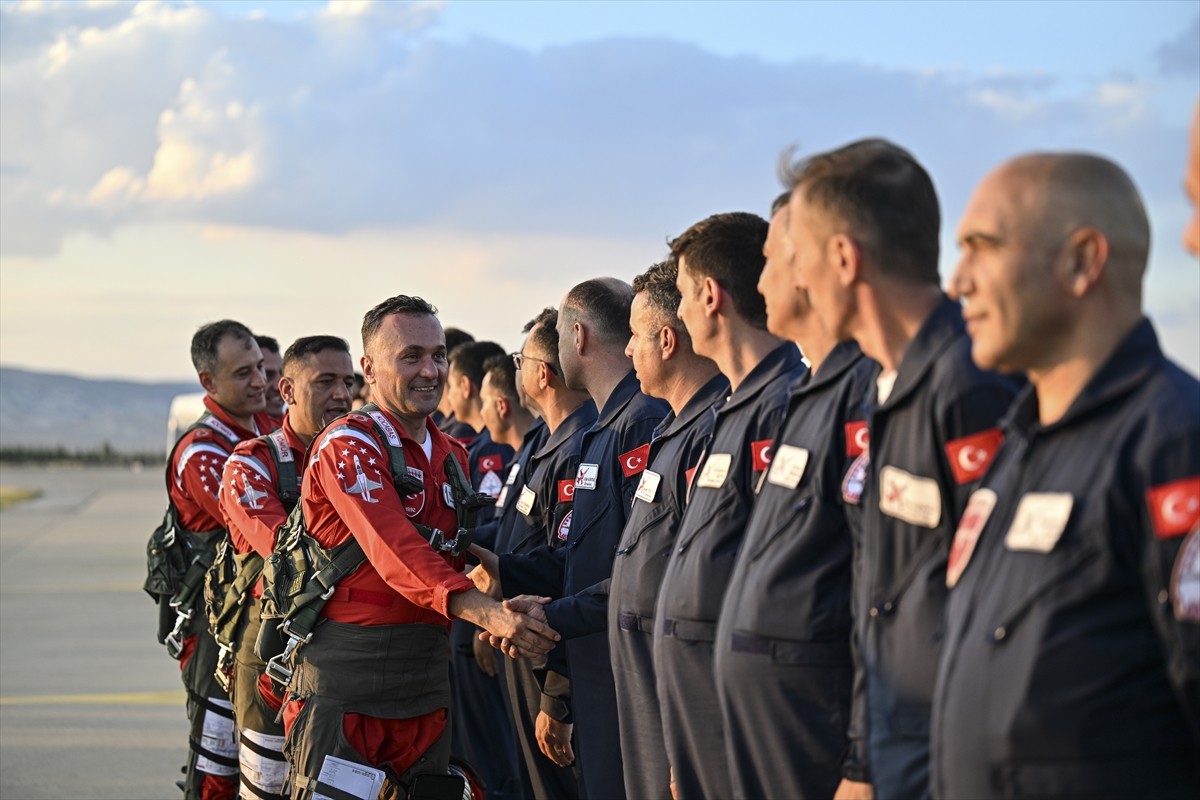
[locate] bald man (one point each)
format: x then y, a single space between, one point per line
1071 660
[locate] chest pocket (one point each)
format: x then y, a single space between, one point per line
645 525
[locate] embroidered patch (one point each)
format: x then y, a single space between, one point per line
857 438
493 463
648 486
564 527
1174 507
490 484
525 501
566 491
634 461
760 454
1185 579
1040 521
448 495
979 508
714 471
586 477
413 503
911 498
856 479
970 456
788 465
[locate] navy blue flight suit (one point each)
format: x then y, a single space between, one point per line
783 667
543 500
612 457
641 558
693 586
479 699
930 442
1071 666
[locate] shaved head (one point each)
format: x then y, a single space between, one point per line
1060 193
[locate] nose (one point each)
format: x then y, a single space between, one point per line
341 391
259 378
629 348
960 282
429 368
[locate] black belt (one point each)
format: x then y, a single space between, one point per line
791 651
690 630
633 622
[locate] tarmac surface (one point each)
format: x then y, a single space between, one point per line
91 706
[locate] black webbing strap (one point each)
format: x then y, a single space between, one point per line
209 705
257 791
200 749
285 468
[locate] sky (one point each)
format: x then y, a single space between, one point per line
291 164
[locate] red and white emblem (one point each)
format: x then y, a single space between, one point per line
493 463
1174 507
566 491
634 461
857 438
970 456
760 454
979 508
564 527
413 503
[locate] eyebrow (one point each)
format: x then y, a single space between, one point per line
978 237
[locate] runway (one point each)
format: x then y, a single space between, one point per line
91 706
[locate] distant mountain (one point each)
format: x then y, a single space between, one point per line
45 410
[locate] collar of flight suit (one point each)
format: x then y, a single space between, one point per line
940 330
1130 365
579 419
783 359
704 400
840 360
622 393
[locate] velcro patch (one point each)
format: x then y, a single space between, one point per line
857 438
760 454
493 463
566 491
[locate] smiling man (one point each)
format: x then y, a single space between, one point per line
230 367
373 687
260 487
1071 664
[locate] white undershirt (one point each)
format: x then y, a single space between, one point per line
884 383
427 446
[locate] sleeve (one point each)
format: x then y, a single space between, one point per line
351 469
250 502
580 614
556 696
1169 509
855 765
485 534
968 437
539 571
198 474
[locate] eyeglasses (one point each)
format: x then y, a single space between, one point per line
519 357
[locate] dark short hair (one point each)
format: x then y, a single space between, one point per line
310 345
503 373
267 343
883 195
657 284
543 335
208 338
400 304
469 359
456 337
780 203
729 249
602 303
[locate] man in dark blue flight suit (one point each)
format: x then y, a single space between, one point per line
720 260
1071 665
543 497
593 327
864 223
669 369
782 655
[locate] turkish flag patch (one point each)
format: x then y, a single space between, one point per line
857 438
1174 507
970 456
566 490
634 461
760 454
491 463
691 473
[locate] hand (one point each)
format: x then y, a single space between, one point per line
674 792
528 637
485 657
554 739
526 604
486 576
854 790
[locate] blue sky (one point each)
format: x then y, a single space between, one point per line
166 164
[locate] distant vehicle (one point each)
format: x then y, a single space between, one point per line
185 409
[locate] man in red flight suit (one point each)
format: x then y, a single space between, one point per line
317 384
369 695
230 367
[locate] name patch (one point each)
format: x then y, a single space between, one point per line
916 500
714 471
787 467
586 477
525 501
1040 521
648 486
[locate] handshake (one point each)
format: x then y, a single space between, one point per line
520 629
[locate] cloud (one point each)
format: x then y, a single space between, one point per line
1180 57
357 118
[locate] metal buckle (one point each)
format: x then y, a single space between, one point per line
174 640
277 666
225 666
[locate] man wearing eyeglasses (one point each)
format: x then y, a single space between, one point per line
540 691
